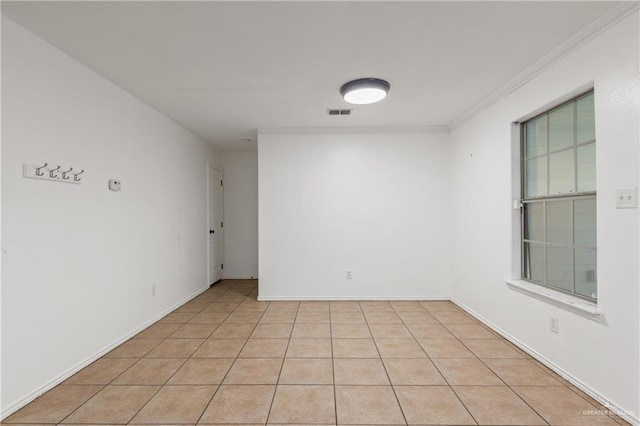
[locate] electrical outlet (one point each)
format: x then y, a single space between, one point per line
349 275
553 324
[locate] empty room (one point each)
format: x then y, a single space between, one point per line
320 213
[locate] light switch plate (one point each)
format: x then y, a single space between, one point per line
627 198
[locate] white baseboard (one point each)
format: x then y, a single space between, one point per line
625 414
73 370
240 277
321 298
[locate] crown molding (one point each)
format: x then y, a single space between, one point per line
563 50
439 129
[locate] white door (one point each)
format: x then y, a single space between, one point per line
215 225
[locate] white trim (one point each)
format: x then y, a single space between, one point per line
82 364
241 277
565 49
578 91
321 298
625 414
563 300
443 129
558 298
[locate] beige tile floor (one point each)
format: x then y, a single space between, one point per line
225 358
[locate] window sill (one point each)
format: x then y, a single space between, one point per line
558 298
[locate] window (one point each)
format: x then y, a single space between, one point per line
559 198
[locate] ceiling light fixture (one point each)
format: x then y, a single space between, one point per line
365 90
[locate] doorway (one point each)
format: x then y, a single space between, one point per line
216 223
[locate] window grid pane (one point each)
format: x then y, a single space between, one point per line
537 184
585 120
584 218
562 172
561 127
534 220
559 222
586 279
560 268
559 204
586 167
534 262
536 138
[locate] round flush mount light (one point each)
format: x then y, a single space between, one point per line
365 90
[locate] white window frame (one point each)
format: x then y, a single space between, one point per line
516 282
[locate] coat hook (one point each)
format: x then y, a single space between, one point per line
52 172
38 172
75 176
64 174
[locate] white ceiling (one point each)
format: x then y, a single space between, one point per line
226 69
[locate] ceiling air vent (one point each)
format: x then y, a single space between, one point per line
339 111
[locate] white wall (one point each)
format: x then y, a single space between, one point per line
80 260
601 355
240 214
374 204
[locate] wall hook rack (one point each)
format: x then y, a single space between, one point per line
58 174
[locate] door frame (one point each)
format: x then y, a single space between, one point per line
208 225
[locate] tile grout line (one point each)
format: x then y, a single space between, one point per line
433 363
447 380
333 364
455 393
225 374
487 366
191 357
182 365
502 380
385 368
230 366
598 407
284 357
483 363
78 407
104 386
